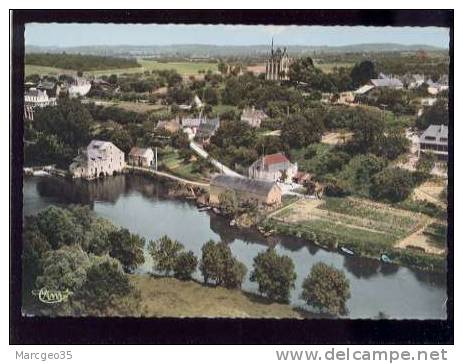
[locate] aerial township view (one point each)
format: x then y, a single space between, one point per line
235 171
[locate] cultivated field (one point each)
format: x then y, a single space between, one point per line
367 228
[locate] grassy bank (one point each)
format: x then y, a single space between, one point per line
170 297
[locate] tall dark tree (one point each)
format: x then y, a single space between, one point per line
362 72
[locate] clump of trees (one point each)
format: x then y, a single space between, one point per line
274 274
327 289
73 250
220 266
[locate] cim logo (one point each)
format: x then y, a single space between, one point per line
51 296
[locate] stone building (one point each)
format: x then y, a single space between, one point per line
141 157
277 66
253 117
261 192
99 159
274 168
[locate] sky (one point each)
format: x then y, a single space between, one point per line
68 35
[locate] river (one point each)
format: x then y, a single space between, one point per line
142 205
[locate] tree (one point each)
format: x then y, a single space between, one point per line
426 163
368 127
326 288
392 144
127 248
219 265
392 184
357 174
59 227
362 72
106 290
229 202
274 274
164 252
185 265
65 268
435 114
301 130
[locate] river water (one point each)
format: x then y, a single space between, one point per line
141 205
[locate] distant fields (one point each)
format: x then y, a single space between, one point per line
184 68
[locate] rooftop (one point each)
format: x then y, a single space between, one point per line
386 82
243 184
275 159
437 132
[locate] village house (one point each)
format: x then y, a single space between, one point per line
261 192
172 126
38 98
80 87
253 117
435 140
99 159
274 168
141 157
206 130
393 83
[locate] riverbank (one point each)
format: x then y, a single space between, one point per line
170 297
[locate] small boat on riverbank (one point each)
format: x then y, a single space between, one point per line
385 259
346 251
204 208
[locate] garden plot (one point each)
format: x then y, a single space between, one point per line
362 225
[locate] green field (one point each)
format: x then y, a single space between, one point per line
184 68
175 165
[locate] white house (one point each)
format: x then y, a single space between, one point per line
273 167
80 87
141 157
99 159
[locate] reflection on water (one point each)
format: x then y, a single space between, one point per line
144 207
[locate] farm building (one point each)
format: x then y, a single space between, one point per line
273 168
99 159
141 157
262 192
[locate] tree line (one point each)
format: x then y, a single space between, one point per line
78 62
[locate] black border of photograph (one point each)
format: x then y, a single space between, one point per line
42 330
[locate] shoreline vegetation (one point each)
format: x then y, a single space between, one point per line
364 241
